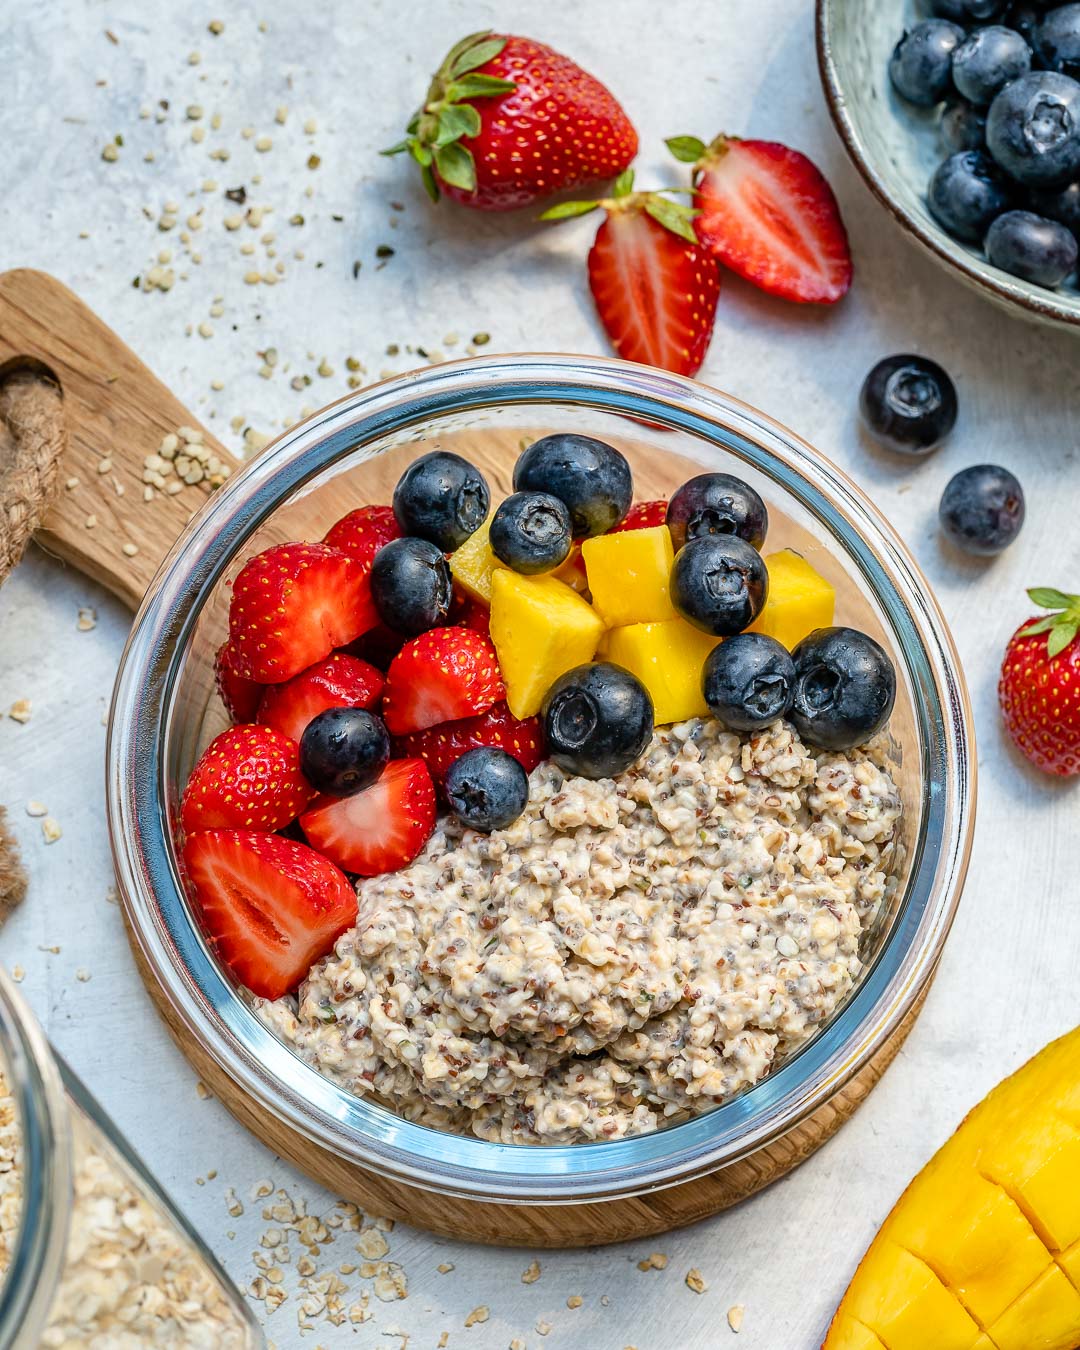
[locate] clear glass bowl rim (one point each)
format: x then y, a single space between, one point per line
362 1132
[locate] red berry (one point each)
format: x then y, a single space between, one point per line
340 681
363 532
240 695
440 746
248 777
272 907
292 605
441 676
642 516
1039 689
379 829
468 612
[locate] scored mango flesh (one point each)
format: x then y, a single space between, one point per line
799 600
982 1251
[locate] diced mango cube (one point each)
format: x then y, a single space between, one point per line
629 574
667 659
472 564
846 1334
1039 1163
799 600
1046 1316
898 1297
572 571
541 629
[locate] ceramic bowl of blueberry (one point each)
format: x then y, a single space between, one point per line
963 116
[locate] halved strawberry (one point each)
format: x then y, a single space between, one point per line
379 829
240 695
441 676
340 681
767 213
363 532
292 605
272 907
655 286
440 746
642 516
248 777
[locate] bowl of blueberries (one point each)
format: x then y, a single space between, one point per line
963 116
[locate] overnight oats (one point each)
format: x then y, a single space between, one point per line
549 824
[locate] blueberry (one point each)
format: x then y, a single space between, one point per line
531 532
966 192
719 584
1033 129
982 509
987 60
908 403
1024 17
411 585
963 127
487 789
591 478
1057 40
1061 204
1031 247
343 751
748 681
968 11
441 497
598 719
845 688
717 503
921 64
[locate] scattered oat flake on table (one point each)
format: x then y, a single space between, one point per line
696 1281
35 808
445 1267
18 974
735 1316
87 618
655 1261
390 1282
51 830
531 1273
574 1301
543 1328
82 975
372 1244
203 1093
480 1314
20 710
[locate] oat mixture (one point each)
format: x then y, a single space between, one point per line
625 955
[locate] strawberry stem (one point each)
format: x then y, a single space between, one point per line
1062 625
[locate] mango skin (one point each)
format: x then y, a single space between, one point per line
981 1251
629 575
799 600
667 658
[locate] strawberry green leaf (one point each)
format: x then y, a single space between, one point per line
673 217
686 149
428 180
456 120
398 149
456 166
1040 626
563 210
477 55
461 47
421 153
1060 637
624 184
477 86
1046 597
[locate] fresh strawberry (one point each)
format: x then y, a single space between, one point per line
439 746
340 681
535 123
642 516
240 695
248 778
272 907
655 287
292 605
379 829
363 532
1039 689
468 612
441 676
767 213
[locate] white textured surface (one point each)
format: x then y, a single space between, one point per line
1008 978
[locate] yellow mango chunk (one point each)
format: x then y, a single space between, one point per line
572 571
899 1297
1070 1263
541 629
472 564
667 659
1039 1164
799 600
629 574
1046 1317
852 1335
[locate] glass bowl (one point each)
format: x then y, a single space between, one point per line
164 711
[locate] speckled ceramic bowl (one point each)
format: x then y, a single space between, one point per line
895 146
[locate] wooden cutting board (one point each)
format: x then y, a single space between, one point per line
115 409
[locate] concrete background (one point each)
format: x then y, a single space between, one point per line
1007 982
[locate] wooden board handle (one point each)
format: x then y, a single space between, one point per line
115 408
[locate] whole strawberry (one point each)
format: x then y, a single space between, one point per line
1039 690
507 122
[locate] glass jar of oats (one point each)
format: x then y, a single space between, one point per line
92 1253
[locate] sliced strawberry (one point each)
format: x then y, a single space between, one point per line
248 778
340 681
292 605
363 532
271 907
441 676
240 695
440 746
642 516
379 829
768 214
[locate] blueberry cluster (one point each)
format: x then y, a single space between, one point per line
1006 73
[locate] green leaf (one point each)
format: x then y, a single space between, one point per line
398 149
428 180
1040 626
477 86
456 166
1046 597
686 149
563 210
477 56
1060 637
624 184
456 120
673 217
461 47
421 153
414 122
